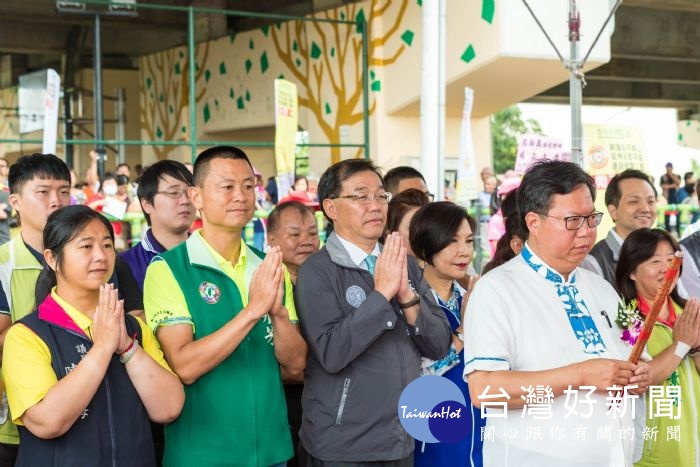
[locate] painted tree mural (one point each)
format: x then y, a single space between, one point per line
319 53
9 123
165 94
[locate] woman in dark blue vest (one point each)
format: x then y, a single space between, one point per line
441 235
83 378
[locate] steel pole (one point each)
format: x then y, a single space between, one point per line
97 98
575 85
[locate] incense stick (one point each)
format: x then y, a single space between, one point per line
660 299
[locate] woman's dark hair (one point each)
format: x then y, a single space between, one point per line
639 246
435 226
399 206
122 180
62 226
504 252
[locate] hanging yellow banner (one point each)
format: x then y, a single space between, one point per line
610 149
286 123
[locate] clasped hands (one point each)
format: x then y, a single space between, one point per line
266 289
391 270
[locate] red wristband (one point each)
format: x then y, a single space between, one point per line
128 347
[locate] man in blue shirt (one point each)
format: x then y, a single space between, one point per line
163 195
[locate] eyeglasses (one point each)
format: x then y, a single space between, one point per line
365 198
430 196
174 193
576 222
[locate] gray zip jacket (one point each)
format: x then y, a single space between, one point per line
362 354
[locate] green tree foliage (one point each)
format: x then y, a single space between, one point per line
506 126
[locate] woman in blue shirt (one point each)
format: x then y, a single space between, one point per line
441 234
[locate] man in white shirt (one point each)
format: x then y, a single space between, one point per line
540 329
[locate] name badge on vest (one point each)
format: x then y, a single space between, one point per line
209 292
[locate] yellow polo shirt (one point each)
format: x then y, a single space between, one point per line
27 360
165 304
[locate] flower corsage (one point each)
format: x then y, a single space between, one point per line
629 320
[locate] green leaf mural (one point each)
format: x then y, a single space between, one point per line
248 65
251 46
206 114
315 51
149 83
360 20
159 133
328 108
265 30
222 68
184 129
230 93
376 86
247 96
240 103
207 75
177 68
407 37
468 54
488 8
264 65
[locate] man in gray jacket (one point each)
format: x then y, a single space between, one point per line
368 317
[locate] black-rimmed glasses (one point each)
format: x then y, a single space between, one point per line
576 222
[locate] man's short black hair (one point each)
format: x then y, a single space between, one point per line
434 226
153 174
42 166
201 165
273 220
613 192
545 179
687 176
332 179
395 176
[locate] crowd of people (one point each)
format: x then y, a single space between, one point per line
194 347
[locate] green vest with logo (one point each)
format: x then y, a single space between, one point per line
236 413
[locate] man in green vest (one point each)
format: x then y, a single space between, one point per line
224 315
